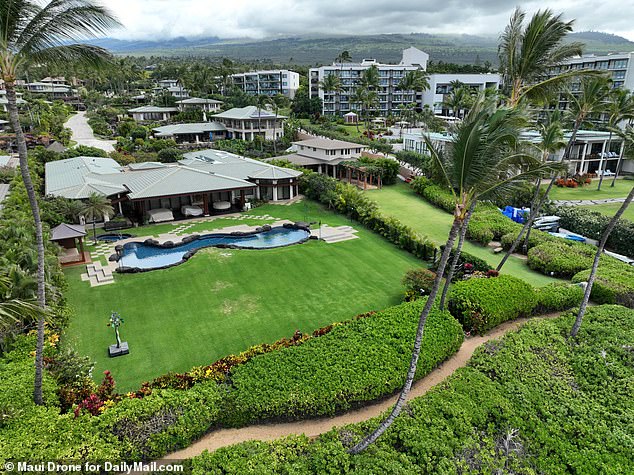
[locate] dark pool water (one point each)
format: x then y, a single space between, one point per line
136 254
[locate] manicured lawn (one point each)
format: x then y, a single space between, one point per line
402 203
222 301
611 209
589 192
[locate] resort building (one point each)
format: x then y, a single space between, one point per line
246 123
53 90
165 83
152 113
619 67
199 132
323 155
193 103
4 101
440 85
269 83
592 150
204 182
390 97
172 86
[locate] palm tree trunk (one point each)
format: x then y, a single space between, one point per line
618 167
595 264
39 239
456 257
605 161
371 438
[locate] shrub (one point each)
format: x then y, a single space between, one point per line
169 155
536 238
476 264
560 259
488 223
613 284
354 363
417 282
436 194
592 224
557 297
481 304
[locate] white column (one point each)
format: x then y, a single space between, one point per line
274 192
257 192
290 187
583 156
319 168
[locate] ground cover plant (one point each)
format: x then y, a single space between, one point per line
533 402
589 192
223 301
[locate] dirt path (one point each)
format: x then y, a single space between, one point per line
314 427
83 135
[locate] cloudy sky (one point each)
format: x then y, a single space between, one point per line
161 19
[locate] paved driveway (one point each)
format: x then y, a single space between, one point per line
82 133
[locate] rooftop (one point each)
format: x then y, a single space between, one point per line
67 231
248 112
328 144
190 128
150 109
198 100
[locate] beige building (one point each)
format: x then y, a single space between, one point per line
323 155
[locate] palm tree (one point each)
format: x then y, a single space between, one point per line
415 81
457 100
359 98
620 107
595 264
370 102
483 161
332 84
552 140
261 101
343 57
96 207
370 78
273 102
224 70
45 35
627 136
528 53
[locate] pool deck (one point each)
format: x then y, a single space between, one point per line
99 274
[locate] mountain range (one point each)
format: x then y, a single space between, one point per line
459 49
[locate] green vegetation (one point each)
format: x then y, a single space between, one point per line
223 301
610 210
401 202
533 402
589 192
614 284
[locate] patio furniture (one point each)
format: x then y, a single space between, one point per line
191 210
221 205
160 215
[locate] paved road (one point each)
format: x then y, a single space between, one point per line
82 133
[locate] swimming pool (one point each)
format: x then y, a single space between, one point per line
137 256
113 237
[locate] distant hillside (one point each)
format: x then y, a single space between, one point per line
322 50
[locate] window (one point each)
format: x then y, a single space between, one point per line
618 75
618 64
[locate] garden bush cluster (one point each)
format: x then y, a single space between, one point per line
349 200
613 284
530 403
592 224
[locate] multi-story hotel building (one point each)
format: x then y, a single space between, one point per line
269 83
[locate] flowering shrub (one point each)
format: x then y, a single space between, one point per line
95 403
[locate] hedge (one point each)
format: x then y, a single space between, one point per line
528 403
481 304
613 284
479 265
557 297
434 193
349 200
355 363
560 258
488 224
592 225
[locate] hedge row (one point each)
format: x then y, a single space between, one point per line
592 224
359 361
562 258
529 403
480 304
613 284
362 361
349 200
434 193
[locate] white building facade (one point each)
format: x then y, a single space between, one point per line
440 85
269 83
390 97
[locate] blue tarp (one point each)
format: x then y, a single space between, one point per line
516 214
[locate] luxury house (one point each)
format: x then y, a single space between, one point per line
270 83
198 132
246 123
204 182
53 90
207 105
152 113
590 151
323 155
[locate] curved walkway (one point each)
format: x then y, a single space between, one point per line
314 427
83 135
588 202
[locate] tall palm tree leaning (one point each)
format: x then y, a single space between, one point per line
620 107
595 265
332 83
483 162
627 135
45 35
585 103
96 207
552 140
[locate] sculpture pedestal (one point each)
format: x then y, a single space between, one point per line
120 351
